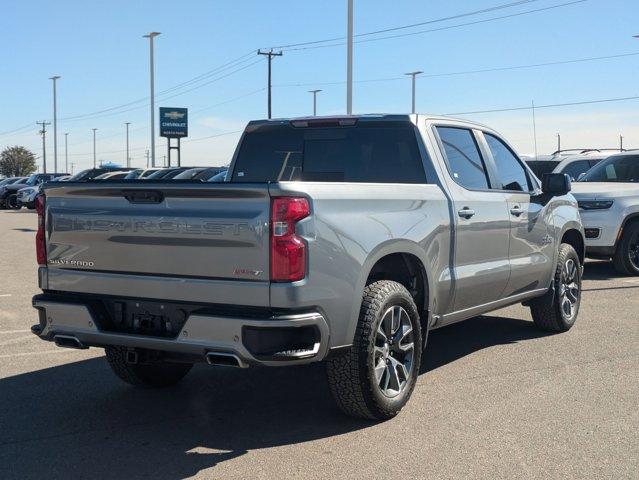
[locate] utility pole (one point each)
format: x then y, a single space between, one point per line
413 75
349 60
128 159
94 157
66 153
534 127
43 132
55 124
151 36
147 158
314 92
558 142
270 54
621 143
72 165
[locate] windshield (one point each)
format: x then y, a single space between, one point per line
618 169
220 177
32 180
134 174
188 174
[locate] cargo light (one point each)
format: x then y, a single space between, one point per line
41 249
288 250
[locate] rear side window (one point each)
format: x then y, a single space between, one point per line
510 171
366 153
464 160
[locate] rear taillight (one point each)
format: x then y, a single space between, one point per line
41 249
288 250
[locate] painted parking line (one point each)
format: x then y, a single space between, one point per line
5 294
14 331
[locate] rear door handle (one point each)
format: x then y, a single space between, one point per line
466 213
516 211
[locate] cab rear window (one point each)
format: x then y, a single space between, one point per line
368 153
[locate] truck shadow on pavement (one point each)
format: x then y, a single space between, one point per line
77 420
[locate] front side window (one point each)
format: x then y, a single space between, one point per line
574 169
615 169
510 172
464 160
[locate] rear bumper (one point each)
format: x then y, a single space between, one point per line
74 324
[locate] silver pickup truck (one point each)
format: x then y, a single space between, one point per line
342 240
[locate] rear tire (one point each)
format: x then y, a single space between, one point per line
377 375
557 310
626 257
153 375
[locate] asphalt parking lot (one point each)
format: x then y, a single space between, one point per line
496 399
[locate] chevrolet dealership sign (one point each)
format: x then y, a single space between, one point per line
174 122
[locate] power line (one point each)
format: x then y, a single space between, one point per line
468 72
449 27
402 27
212 72
550 105
164 98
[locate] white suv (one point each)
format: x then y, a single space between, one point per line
608 197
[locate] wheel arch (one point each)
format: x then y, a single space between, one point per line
575 238
402 261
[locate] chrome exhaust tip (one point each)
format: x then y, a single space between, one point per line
68 341
223 359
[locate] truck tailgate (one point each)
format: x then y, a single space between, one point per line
198 231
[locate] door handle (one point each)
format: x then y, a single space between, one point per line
516 211
466 212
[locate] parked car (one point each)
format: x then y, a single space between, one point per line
117 175
218 177
576 165
167 173
541 167
91 173
26 197
312 250
190 174
10 180
9 192
141 173
608 196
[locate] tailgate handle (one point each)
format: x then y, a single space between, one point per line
143 196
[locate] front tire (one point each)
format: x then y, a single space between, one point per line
557 310
626 258
12 202
376 377
152 375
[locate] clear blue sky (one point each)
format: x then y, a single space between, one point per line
98 49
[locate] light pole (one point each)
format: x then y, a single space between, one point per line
413 75
94 158
128 160
314 92
349 60
66 153
559 142
151 36
55 124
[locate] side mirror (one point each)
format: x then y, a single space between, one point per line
581 175
556 184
